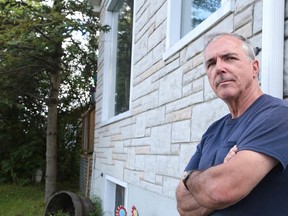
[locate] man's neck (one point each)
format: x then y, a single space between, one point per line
238 107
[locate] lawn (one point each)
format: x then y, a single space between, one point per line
22 200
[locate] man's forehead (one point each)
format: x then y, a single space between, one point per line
222 46
221 53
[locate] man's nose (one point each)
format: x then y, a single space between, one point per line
220 66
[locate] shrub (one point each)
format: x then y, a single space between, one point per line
98 207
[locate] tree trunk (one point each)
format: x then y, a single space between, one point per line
51 138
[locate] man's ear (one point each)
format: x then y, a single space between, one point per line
255 66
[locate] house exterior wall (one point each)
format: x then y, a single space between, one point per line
171 106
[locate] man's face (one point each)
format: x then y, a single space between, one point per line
231 73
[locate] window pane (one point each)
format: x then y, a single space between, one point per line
196 11
119 196
123 62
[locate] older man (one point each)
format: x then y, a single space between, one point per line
239 167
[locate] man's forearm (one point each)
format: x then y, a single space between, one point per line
187 205
204 186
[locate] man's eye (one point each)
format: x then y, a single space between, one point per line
210 64
228 58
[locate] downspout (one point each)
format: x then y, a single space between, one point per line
273 47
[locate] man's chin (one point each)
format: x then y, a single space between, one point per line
226 96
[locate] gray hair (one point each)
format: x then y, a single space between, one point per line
247 47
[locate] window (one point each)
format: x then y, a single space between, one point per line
117 58
119 196
187 19
195 12
116 194
123 57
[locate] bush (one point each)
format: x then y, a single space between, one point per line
98 207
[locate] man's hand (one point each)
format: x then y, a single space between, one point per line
225 184
187 205
231 153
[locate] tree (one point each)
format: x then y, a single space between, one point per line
39 48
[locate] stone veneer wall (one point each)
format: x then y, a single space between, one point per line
172 102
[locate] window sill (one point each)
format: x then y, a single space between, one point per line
222 12
116 118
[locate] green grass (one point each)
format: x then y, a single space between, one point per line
22 200
18 200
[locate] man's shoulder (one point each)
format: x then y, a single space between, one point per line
269 100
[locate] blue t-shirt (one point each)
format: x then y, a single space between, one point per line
262 128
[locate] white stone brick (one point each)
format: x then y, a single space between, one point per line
142 150
198 85
151 186
118 147
245 30
159 179
179 115
197 60
170 87
144 75
139 162
143 16
243 17
118 170
143 64
241 4
140 141
208 92
150 101
130 163
142 88
204 114
181 131
157 52
167 165
170 185
175 148
159 6
132 176
194 48
172 66
138 129
161 14
186 152
160 139
149 168
258 16
226 25
188 77
187 89
183 102
140 48
153 117
198 71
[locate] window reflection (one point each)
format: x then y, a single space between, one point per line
123 62
195 12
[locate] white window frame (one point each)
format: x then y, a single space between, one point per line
174 42
110 189
109 67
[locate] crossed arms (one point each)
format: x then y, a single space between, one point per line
223 185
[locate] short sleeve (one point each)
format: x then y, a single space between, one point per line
194 161
268 134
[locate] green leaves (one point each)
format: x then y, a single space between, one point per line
37 41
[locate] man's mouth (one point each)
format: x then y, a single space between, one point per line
218 82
